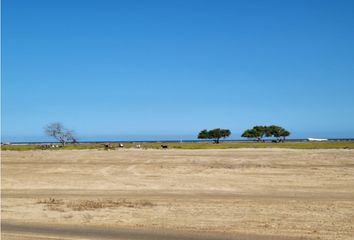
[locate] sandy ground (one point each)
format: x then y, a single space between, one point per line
306 194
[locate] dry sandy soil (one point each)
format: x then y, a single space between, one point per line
279 193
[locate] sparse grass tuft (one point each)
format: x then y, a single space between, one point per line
50 201
87 205
83 205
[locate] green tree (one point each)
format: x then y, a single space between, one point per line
215 134
278 132
258 132
249 133
275 131
261 131
284 133
204 134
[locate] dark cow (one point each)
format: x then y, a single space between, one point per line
108 146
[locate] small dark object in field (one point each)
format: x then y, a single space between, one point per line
108 146
164 146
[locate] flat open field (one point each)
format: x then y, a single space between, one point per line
193 145
218 193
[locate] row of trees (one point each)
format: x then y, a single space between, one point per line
64 135
257 133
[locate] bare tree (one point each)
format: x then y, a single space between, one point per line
60 133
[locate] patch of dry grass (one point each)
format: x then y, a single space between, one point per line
87 205
220 165
50 201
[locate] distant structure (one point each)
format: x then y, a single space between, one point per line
317 139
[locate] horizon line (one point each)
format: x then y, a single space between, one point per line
174 140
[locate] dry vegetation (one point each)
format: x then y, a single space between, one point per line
188 145
284 192
86 205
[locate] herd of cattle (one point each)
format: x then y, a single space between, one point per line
49 146
106 146
110 146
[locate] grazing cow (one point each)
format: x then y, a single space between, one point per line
121 145
108 146
164 146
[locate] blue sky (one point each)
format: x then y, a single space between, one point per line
152 69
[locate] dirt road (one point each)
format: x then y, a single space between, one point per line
274 193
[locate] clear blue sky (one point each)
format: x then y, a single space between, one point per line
167 69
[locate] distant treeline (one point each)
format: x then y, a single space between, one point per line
257 133
64 135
